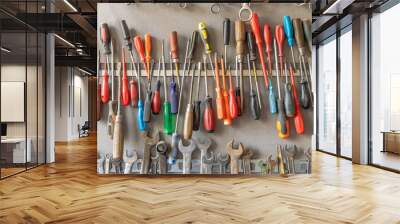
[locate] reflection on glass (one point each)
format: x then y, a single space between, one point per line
327 96
385 85
346 94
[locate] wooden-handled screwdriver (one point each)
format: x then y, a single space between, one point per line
188 122
208 113
240 37
174 50
118 134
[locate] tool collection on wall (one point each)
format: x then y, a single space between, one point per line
201 115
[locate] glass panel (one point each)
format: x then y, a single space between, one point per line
385 84
346 94
327 96
13 87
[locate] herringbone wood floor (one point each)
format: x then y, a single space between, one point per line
69 191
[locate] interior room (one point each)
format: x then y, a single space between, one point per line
277 111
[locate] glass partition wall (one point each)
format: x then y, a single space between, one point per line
22 76
334 94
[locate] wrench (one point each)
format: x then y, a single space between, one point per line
129 160
187 154
203 143
154 162
223 160
207 163
107 164
246 161
162 149
235 155
291 153
100 164
149 142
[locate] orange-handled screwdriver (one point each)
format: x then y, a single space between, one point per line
233 107
228 119
220 100
147 46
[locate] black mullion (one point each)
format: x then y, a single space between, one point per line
369 79
26 87
338 73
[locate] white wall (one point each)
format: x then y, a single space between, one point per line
71 102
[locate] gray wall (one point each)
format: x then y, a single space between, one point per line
257 135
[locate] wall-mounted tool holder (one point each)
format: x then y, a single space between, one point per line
148 147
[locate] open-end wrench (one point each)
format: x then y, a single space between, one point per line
207 163
187 154
235 155
107 164
246 161
154 162
203 144
162 149
223 160
149 142
129 159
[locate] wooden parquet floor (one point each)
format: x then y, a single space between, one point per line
69 191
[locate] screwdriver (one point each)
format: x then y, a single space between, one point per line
193 41
188 122
106 41
304 96
156 101
133 83
240 37
233 107
196 108
307 33
111 111
252 57
175 136
237 88
167 105
208 113
174 51
298 118
255 27
254 108
288 99
141 124
207 47
173 94
280 38
124 88
226 32
147 45
282 124
228 119
147 101
98 98
140 51
306 87
272 96
221 113
288 27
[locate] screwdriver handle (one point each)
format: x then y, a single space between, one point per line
268 45
196 115
299 35
255 108
105 38
308 33
147 45
168 129
305 99
298 118
139 48
204 37
147 107
280 38
173 43
227 31
273 108
227 119
255 27
251 46
282 124
105 89
208 116
188 123
127 35
289 101
220 98
240 37
156 101
288 27
173 97
134 93
141 124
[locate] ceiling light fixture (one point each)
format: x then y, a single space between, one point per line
71 6
84 71
5 49
64 40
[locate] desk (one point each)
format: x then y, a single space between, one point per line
391 141
17 151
